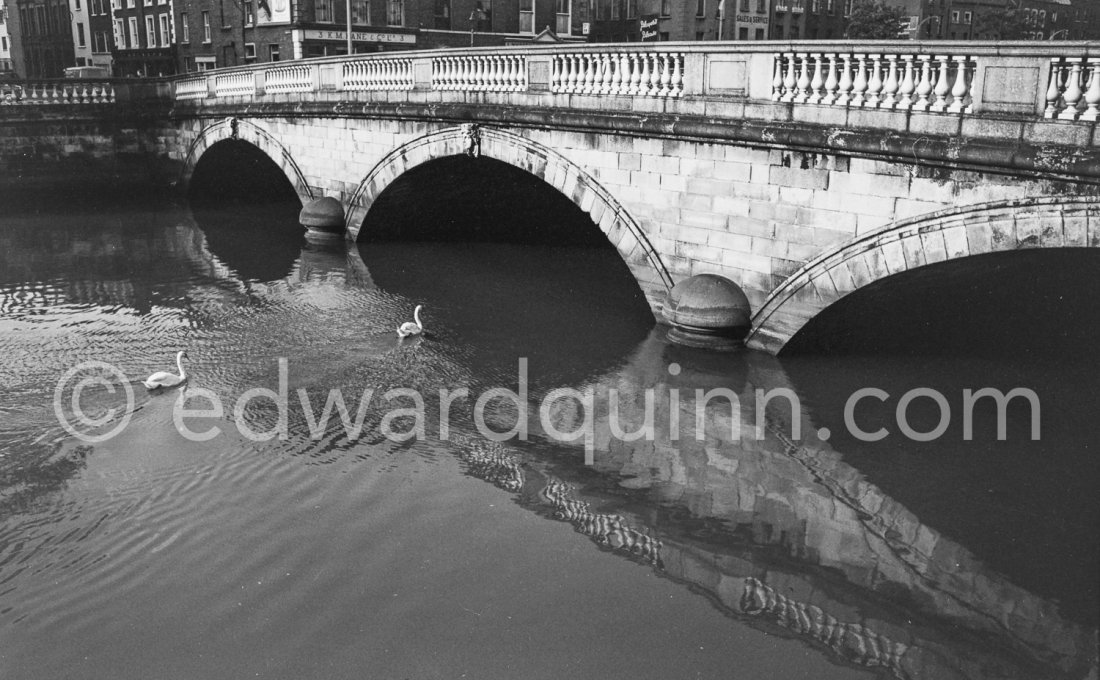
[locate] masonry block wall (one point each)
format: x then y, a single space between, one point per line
673 207
70 146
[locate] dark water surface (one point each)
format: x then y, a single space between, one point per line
319 555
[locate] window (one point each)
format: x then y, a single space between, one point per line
132 39
76 5
165 31
616 9
395 12
204 63
100 43
80 34
744 6
760 8
360 12
323 9
666 8
759 34
631 9
954 17
249 18
829 6
273 52
150 32
3 42
743 33
185 29
966 17
205 30
526 16
120 34
130 4
563 20
815 6
663 36
701 8
249 53
147 3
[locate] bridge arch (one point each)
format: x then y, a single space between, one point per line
543 162
246 131
951 234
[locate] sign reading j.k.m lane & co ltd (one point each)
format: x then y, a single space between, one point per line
648 26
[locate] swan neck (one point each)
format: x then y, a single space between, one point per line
416 315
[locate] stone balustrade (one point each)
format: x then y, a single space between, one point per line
904 82
492 73
59 92
191 88
235 84
1073 89
847 83
378 74
296 78
655 74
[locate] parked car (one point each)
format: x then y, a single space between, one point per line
87 72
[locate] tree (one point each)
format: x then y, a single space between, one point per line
875 20
1010 23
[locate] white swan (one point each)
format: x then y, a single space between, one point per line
411 327
166 379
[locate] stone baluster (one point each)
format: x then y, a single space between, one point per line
591 73
1092 94
961 87
458 68
1073 92
606 73
943 85
924 87
777 78
890 87
635 75
576 78
643 85
874 85
817 83
555 72
844 87
521 73
655 77
616 82
859 86
908 85
677 86
831 82
666 75
439 82
492 73
1054 88
790 79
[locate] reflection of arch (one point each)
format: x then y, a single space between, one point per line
246 131
1054 222
556 170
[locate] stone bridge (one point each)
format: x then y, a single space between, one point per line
801 171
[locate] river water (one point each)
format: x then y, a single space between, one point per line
315 554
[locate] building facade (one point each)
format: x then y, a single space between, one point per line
6 67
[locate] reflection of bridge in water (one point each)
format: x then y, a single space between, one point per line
783 535
787 535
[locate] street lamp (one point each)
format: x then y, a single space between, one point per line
924 21
475 16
